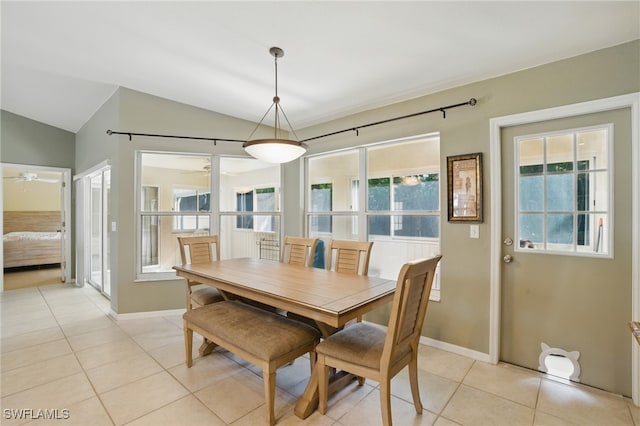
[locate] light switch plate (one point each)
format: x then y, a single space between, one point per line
474 231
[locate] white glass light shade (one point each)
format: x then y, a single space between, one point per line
275 150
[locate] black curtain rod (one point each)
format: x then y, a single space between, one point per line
472 102
130 134
443 110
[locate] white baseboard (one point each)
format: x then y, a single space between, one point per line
460 350
148 314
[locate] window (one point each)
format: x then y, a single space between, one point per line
563 190
191 200
244 203
409 193
182 194
264 200
174 199
321 201
398 208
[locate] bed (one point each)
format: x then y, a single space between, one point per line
32 238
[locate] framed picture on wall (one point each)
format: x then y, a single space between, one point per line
464 184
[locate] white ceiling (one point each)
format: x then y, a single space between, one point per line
62 60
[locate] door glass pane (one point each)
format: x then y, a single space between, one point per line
531 193
565 178
106 287
592 148
95 245
559 149
560 228
531 231
560 193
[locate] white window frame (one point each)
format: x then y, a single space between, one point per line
557 249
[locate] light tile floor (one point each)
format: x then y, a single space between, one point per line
60 351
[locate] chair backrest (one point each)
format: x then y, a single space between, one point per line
298 251
199 249
408 310
350 257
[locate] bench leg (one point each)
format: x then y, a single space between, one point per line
207 347
188 344
269 379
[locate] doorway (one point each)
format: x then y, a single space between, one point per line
565 220
35 217
630 103
97 191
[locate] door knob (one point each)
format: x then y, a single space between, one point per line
507 258
508 241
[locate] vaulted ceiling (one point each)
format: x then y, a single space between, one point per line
62 60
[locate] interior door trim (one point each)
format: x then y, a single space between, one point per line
632 101
65 173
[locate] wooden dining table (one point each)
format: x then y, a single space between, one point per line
330 298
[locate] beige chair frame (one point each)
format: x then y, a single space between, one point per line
400 344
351 257
199 251
298 251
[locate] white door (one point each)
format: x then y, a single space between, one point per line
96 233
566 278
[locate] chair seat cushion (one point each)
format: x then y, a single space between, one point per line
206 296
360 343
264 334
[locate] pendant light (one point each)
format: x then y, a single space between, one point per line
275 150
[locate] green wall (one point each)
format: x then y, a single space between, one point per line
25 141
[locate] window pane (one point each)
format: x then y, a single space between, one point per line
239 242
342 227
337 170
172 171
379 196
416 192
416 226
531 155
379 225
560 228
592 146
531 229
320 223
321 194
244 203
160 251
559 149
531 193
560 192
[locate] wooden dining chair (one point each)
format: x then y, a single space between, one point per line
368 350
194 250
298 251
349 257
200 249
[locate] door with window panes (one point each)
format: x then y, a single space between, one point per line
566 271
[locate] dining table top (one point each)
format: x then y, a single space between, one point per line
327 296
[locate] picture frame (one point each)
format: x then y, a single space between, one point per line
464 184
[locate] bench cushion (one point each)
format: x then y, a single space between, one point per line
266 335
206 296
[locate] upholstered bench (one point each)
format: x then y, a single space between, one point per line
264 338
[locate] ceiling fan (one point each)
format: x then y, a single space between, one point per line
30 177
